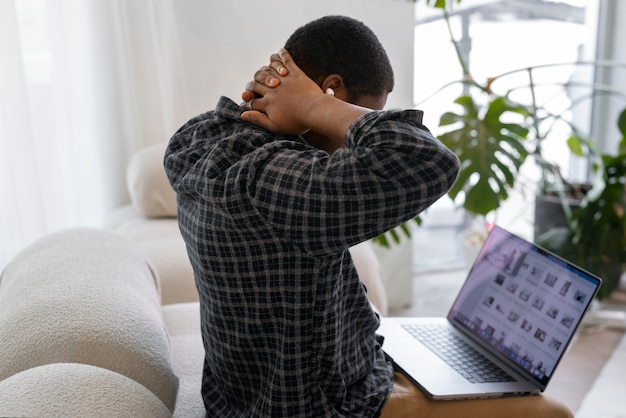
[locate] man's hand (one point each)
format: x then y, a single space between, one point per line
294 104
284 105
266 76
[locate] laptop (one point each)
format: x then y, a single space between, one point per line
517 312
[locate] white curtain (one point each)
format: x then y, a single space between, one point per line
83 84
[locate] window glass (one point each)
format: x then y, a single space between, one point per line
498 37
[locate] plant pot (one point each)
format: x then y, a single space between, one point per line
599 246
549 213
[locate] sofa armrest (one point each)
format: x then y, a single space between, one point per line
78 390
85 296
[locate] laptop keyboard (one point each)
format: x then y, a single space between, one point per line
462 357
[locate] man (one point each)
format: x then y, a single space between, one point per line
268 210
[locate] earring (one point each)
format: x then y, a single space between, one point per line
330 92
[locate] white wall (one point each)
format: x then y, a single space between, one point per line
225 42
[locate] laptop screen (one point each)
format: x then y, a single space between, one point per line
523 302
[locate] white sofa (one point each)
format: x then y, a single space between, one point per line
105 322
81 330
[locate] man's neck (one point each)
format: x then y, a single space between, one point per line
323 142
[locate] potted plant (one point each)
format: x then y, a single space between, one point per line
595 233
494 136
495 133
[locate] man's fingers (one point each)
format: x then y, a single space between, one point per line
254 89
285 58
277 64
267 76
247 95
257 118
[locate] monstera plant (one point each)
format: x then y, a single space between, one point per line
494 136
494 133
491 150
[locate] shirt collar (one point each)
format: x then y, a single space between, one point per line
227 107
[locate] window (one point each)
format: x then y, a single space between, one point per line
497 37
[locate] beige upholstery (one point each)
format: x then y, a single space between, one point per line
148 185
85 296
160 240
183 322
76 390
371 274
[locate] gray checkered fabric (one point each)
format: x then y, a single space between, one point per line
287 328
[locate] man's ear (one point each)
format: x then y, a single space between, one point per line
335 82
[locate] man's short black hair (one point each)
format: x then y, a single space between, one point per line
345 46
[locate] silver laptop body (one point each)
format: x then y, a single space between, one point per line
519 307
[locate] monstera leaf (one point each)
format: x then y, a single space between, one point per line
490 146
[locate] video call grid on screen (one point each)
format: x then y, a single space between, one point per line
515 286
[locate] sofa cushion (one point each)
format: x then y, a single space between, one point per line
371 274
160 240
128 221
85 296
183 323
149 188
76 390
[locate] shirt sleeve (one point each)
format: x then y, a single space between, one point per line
392 170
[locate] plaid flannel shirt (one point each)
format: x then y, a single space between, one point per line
267 220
